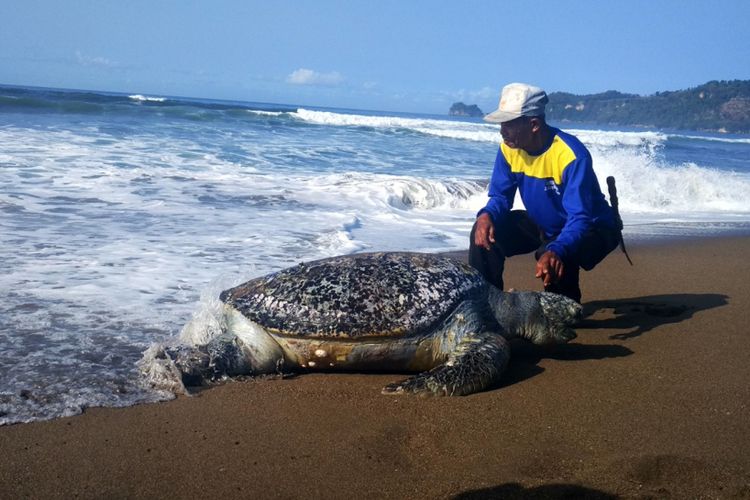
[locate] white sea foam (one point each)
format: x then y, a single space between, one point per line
484 132
143 98
261 112
649 185
712 138
616 139
440 128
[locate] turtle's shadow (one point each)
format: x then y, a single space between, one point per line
526 356
633 316
546 491
640 315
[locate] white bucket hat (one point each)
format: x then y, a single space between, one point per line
516 100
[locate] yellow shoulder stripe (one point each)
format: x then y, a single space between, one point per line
549 164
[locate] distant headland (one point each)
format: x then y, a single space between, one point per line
461 109
716 106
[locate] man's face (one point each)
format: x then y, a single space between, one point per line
517 133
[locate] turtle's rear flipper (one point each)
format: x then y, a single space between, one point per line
476 364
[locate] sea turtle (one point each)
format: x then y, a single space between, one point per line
393 311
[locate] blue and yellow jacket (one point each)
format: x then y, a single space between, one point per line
558 186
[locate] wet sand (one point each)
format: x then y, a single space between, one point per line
651 400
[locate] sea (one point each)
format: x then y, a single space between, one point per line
122 216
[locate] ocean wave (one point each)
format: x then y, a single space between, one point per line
143 98
393 192
649 185
467 135
415 193
646 185
479 132
733 140
615 139
429 126
646 182
261 112
36 104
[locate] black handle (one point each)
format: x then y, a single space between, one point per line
614 201
616 210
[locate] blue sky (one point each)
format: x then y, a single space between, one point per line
402 55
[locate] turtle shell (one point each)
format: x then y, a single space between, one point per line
361 295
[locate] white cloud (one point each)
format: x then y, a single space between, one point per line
486 93
477 95
304 76
86 60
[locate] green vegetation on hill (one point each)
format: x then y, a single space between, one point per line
716 106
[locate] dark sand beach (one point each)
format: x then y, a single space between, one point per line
650 401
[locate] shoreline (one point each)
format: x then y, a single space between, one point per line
651 399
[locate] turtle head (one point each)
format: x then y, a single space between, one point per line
561 314
540 317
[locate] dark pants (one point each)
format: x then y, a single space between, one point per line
518 234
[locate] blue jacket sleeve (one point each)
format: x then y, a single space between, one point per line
502 190
578 204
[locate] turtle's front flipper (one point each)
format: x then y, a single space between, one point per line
477 363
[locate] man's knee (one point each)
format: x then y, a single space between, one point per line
490 263
596 246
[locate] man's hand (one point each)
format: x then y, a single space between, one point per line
549 267
484 235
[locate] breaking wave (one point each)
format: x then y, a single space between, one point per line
142 98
